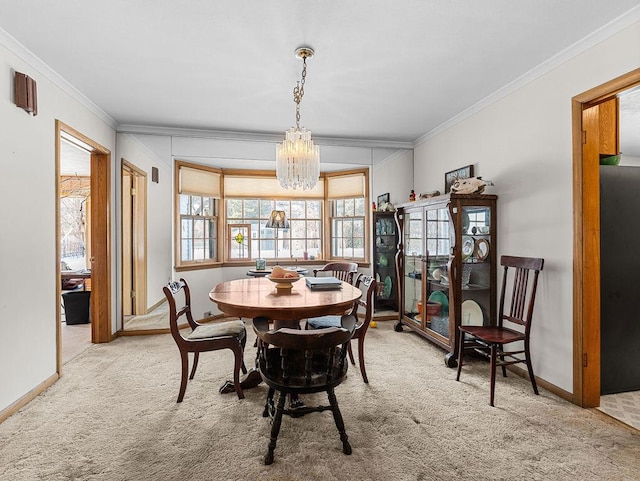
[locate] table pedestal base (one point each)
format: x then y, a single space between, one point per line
249 381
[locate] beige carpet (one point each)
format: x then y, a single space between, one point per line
113 417
156 319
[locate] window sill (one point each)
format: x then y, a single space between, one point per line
198 266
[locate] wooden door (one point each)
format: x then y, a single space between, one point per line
134 244
100 247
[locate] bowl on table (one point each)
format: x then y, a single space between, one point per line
283 283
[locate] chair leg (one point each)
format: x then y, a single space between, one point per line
363 371
337 417
239 363
530 368
275 428
269 408
243 344
350 351
493 372
460 354
501 355
184 358
196 357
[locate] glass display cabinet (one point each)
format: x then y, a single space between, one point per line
385 246
446 264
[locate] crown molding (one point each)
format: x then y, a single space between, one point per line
142 146
613 27
256 137
54 77
391 158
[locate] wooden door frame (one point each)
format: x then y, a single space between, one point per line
586 246
139 235
100 247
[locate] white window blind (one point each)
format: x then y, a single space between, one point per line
267 187
346 186
199 182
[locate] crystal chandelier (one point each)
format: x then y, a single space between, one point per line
297 158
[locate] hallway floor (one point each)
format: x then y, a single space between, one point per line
624 407
76 339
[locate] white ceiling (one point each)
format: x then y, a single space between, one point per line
384 70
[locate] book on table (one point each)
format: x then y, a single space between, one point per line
318 283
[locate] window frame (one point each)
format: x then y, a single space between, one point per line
333 217
182 265
222 248
280 237
329 236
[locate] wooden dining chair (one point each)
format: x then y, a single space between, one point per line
345 271
294 362
368 286
203 337
515 311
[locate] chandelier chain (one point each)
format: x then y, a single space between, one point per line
298 91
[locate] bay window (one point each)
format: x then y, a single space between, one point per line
222 216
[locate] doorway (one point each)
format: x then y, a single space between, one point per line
73 203
97 245
587 262
134 242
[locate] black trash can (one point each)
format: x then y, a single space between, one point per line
76 307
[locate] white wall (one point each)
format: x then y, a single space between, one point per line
523 143
630 160
27 242
159 217
393 175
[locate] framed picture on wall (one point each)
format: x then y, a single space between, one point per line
450 177
383 198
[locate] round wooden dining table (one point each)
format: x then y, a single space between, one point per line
258 297
255 297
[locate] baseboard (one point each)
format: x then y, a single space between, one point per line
144 332
24 400
156 305
552 388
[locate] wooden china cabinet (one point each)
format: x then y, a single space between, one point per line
385 245
446 266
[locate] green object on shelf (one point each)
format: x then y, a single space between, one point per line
610 159
441 297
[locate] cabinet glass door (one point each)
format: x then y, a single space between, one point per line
440 238
413 253
476 250
384 256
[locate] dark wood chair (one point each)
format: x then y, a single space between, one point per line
516 311
293 362
345 271
368 286
203 337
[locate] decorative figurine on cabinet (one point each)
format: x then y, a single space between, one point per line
373 206
412 195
